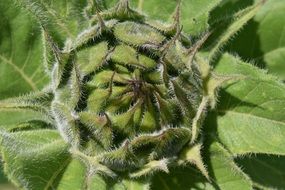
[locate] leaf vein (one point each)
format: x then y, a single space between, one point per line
20 72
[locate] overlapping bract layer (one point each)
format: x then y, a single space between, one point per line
129 95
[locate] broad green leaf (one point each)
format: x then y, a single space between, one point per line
21 51
73 177
12 117
34 159
275 61
25 111
271 36
180 179
262 40
194 14
225 173
265 170
77 176
60 22
63 19
132 185
230 27
251 113
227 8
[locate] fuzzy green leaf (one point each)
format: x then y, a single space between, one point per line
262 40
61 18
271 18
180 179
275 61
73 177
132 185
236 22
9 118
251 113
195 15
264 170
225 173
21 51
36 151
24 111
76 176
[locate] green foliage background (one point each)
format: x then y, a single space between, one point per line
249 120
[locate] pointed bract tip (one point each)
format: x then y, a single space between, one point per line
262 2
100 19
177 12
199 43
124 4
51 43
177 15
167 45
193 156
